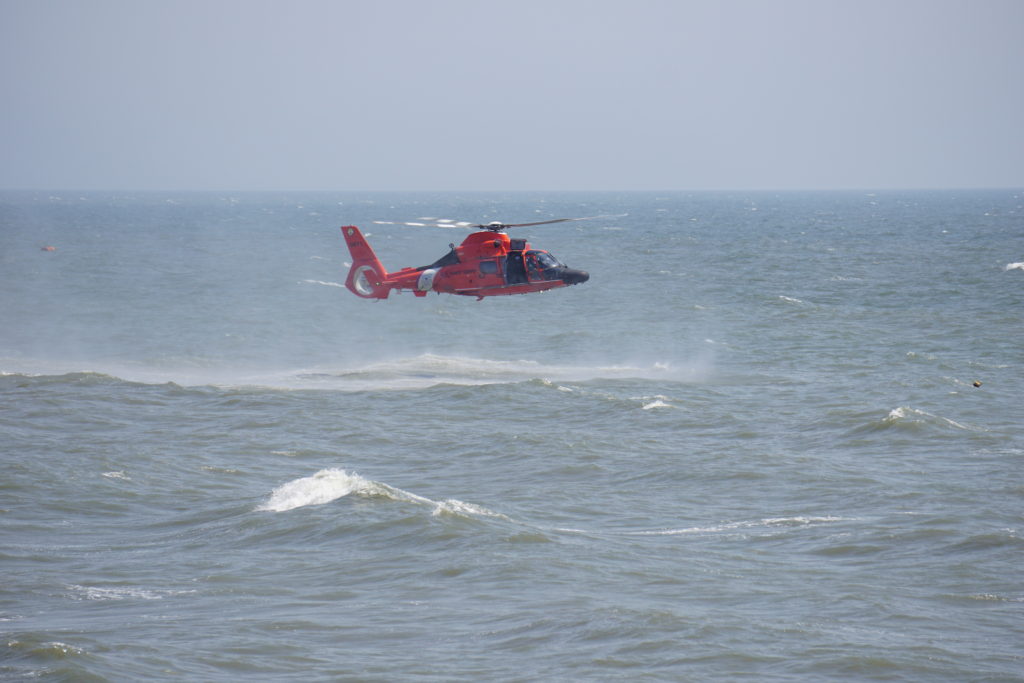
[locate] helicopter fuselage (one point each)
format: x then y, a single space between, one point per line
487 263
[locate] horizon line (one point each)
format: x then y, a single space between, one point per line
993 188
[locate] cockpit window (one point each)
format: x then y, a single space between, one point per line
548 261
544 259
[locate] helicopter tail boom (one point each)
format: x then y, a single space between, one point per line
367 277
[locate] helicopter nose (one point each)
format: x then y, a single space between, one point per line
571 276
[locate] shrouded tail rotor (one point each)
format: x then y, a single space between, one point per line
367 277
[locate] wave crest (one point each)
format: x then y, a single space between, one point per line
406 373
904 415
331 484
322 487
429 370
765 525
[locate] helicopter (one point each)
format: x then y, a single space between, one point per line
487 263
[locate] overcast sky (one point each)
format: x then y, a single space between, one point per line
511 95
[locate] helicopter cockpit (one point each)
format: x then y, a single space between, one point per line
543 266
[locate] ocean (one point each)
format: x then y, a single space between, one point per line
776 437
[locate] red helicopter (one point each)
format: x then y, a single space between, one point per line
487 263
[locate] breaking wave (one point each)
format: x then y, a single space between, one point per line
911 420
428 370
331 484
905 415
409 373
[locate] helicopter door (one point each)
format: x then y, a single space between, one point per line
515 269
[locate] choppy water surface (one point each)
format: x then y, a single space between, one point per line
750 447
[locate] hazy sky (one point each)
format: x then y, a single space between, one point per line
511 95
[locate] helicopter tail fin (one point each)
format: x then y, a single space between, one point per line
367 277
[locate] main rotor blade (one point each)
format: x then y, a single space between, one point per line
495 225
440 224
559 220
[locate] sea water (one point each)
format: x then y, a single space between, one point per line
774 437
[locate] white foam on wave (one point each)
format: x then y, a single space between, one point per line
452 506
657 402
766 523
1015 266
994 597
121 593
428 370
904 413
322 487
421 371
897 414
333 483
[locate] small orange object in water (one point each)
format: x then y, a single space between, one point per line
49 248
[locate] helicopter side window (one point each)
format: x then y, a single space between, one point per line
531 265
488 267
